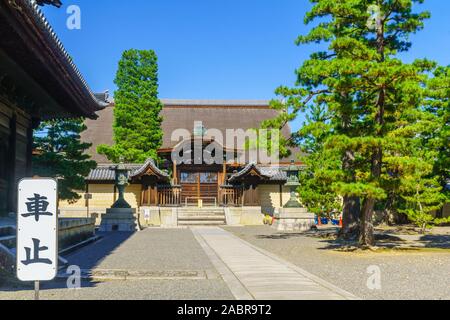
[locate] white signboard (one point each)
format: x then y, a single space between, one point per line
37 230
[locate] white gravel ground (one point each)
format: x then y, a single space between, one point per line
404 275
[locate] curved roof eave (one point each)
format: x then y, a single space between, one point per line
43 55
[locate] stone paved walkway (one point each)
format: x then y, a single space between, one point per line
252 273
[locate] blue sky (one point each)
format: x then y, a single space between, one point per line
211 49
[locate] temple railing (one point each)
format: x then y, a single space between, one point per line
169 195
231 196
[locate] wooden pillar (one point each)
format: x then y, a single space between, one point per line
175 173
281 195
224 176
198 186
152 194
34 124
29 168
11 206
143 196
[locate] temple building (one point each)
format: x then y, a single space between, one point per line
192 128
38 81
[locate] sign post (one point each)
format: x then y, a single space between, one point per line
37 231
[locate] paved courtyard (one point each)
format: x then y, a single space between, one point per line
183 264
241 263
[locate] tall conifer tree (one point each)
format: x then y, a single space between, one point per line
137 121
372 98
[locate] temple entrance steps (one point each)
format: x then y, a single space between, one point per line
201 216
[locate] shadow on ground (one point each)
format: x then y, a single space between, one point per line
87 258
384 240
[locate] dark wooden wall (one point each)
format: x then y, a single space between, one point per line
16 140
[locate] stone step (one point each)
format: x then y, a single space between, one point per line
201 223
201 216
200 210
207 218
196 214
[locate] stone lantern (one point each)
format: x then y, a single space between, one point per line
121 217
293 216
121 182
293 183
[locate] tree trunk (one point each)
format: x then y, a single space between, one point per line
440 213
351 217
366 235
389 210
352 204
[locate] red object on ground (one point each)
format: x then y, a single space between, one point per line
341 222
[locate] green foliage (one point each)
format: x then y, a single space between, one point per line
137 124
420 189
60 154
372 100
316 180
438 137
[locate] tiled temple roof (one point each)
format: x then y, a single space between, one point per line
276 174
56 3
215 103
47 28
104 172
27 38
149 164
272 174
248 169
182 114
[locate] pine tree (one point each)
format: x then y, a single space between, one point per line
438 104
368 93
60 154
423 198
316 179
137 125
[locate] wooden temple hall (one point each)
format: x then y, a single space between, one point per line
190 183
38 81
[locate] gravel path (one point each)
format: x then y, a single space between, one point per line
149 250
166 253
404 275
